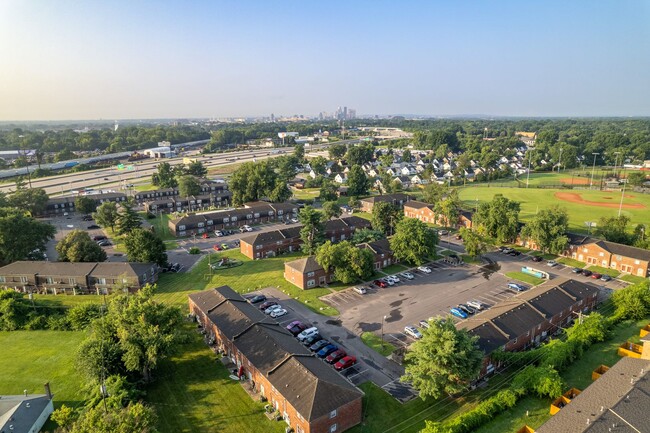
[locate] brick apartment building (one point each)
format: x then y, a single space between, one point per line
286 240
77 278
251 213
623 258
528 318
309 394
60 205
425 213
383 254
367 204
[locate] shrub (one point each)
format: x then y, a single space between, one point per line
194 250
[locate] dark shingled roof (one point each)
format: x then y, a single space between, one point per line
308 264
621 396
387 197
518 320
418 204
272 236
382 246
612 247
489 337
313 388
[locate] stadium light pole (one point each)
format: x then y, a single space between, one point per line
616 162
593 169
559 163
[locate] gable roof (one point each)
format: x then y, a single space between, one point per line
304 265
386 197
612 247
418 204
21 412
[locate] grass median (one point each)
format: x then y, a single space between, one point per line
516 275
374 342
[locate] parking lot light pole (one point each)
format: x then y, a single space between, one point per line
593 169
382 331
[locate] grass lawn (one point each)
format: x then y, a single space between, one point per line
193 392
605 271
160 225
31 358
533 199
516 275
305 193
469 259
374 342
393 269
144 187
571 262
633 279
544 256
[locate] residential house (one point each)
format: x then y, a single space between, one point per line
397 199
310 396
77 278
306 273
405 181
417 180
25 413
422 211
340 178
623 258
383 254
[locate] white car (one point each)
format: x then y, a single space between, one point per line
407 275
360 290
246 228
475 304
273 308
424 269
424 324
551 263
412 331
387 281
394 278
294 220
278 313
307 333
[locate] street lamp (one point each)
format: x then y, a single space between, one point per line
593 169
559 164
382 330
616 162
620 206
528 175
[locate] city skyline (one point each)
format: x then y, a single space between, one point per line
91 60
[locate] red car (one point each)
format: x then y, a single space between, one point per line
346 362
205 236
217 247
335 356
596 276
380 283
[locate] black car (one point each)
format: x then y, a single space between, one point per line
576 270
587 273
537 258
267 304
514 253
464 309
99 238
257 298
467 308
93 227
318 345
87 218
605 278
311 340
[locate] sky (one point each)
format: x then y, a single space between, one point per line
65 60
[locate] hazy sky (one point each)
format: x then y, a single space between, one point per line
139 59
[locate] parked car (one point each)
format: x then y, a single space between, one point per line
175 267
507 250
267 304
476 304
412 331
272 308
537 258
394 279
307 333
312 339
516 286
425 269
257 298
345 362
87 218
205 235
327 350
93 227
360 290
224 246
424 324
443 232
99 238
458 313
467 308
335 356
514 253
501 248
380 283
387 281
297 328
104 243
551 263
407 275
587 273
576 270
596 276
294 220
218 233
606 277
217 247
318 345
245 228
278 313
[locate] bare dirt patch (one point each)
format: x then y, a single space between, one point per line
573 197
575 181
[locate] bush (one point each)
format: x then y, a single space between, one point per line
633 302
58 323
544 381
194 250
150 216
81 316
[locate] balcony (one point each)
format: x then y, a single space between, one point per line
563 400
644 331
630 349
602 369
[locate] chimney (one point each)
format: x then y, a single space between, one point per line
48 391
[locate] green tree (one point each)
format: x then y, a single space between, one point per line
128 219
318 164
632 302
13 310
253 180
81 316
444 361
545 381
312 232
354 202
449 208
548 230
299 152
165 176
637 178
406 156
359 154
358 183
32 200
107 215
286 166
366 235
134 418
331 209
145 247
499 218
337 151
85 204
196 168
347 262
328 191
188 186
22 237
614 229
474 243
385 216
77 246
64 417
413 241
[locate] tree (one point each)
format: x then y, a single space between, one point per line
127 220
85 204
347 262
637 178
406 155
614 229
413 241
366 235
253 180
299 152
354 202
331 209
196 168
443 361
449 208
318 164
385 216
81 316
134 418
387 183
77 246
548 230
312 232
474 243
337 151
360 154
545 381
286 166
32 200
188 185
165 176
145 247
328 191
107 215
358 183
22 237
632 302
499 218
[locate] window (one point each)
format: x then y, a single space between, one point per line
183 233
101 281
310 274
201 225
181 227
514 341
72 280
2 280
311 283
270 213
333 413
226 220
49 280
601 254
257 215
279 212
23 279
210 222
636 262
333 428
234 218
258 247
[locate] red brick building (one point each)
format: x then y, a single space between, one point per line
309 394
306 273
528 318
382 252
623 258
398 200
425 213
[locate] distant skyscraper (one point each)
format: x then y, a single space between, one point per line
272 117
352 113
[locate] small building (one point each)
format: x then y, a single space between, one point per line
383 254
160 152
306 273
310 396
397 199
422 211
623 258
25 413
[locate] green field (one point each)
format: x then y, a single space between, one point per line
516 275
373 341
533 199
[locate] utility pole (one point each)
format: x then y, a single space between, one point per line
559 164
382 331
593 169
620 206
616 162
528 174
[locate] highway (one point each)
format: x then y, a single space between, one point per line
114 179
